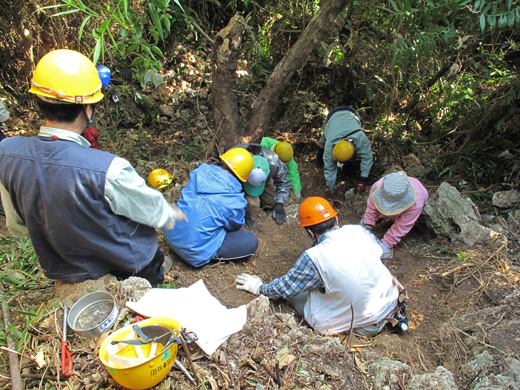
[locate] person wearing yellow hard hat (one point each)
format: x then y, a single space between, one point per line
86 211
343 138
340 283
214 204
274 192
285 152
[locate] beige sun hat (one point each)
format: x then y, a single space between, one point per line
395 195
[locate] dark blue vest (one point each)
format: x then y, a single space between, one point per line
57 187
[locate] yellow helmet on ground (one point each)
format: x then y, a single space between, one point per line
159 178
343 151
240 161
136 363
284 150
68 76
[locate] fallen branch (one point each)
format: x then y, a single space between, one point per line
231 377
188 355
270 372
40 376
288 371
14 366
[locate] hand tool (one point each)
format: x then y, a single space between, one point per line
66 358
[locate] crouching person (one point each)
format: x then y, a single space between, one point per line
399 199
340 277
87 212
215 206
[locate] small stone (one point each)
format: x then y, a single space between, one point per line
505 199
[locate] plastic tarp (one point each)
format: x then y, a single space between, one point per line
196 310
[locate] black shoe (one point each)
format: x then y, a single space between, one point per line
250 220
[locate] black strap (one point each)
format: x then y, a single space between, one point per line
345 138
342 108
165 338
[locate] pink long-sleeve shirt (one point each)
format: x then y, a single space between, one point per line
403 222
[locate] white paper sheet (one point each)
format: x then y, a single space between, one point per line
196 310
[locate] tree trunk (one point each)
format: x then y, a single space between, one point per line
266 101
223 74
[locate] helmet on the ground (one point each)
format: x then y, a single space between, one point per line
343 151
240 161
315 210
284 150
68 76
159 178
137 363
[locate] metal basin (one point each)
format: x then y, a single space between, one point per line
93 314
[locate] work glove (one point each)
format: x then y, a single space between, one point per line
249 283
250 220
279 213
362 223
361 186
387 253
334 199
176 215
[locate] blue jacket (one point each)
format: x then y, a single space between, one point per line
214 203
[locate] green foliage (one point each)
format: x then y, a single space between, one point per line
194 151
123 28
19 268
497 14
454 101
260 53
455 255
167 285
148 107
423 27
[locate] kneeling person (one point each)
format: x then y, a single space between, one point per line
214 205
339 277
399 199
276 189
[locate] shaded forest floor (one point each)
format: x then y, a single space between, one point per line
442 286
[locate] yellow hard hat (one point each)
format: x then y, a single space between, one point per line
284 150
68 76
159 178
141 364
343 151
240 161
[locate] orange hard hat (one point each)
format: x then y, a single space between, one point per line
315 210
